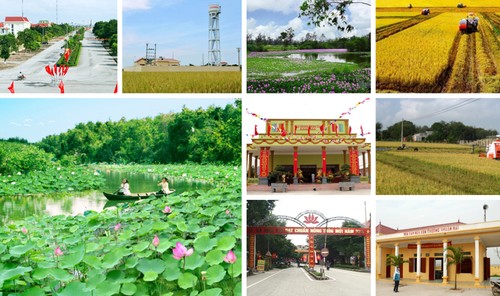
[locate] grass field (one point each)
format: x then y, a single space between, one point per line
435 169
182 82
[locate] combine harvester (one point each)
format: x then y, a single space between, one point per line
493 149
425 11
469 24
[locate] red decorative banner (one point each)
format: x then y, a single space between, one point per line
283 230
428 246
354 160
312 256
323 160
368 258
295 161
264 162
251 257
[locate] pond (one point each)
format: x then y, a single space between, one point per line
333 57
19 207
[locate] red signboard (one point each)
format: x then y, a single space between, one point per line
323 160
251 244
264 162
354 161
253 230
368 248
312 256
428 246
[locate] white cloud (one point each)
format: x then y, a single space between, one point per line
284 6
136 5
15 123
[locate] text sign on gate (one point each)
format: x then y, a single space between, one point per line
306 230
324 252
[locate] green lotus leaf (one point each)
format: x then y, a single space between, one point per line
40 273
72 240
194 261
107 288
115 276
113 258
95 279
2 248
155 265
19 250
215 274
145 229
128 289
211 292
181 226
210 229
237 289
131 262
144 254
73 229
92 260
150 276
140 247
214 257
73 259
187 280
75 288
204 243
226 243
172 270
60 274
158 226
91 247
234 269
35 291
164 245
10 274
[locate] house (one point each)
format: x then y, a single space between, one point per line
42 24
420 137
162 62
4 30
16 24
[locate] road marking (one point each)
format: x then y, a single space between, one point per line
309 277
248 287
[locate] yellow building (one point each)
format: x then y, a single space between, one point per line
306 147
162 62
425 249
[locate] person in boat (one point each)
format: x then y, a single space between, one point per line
124 188
164 186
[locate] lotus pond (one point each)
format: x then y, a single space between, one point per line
186 244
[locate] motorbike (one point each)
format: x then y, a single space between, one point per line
21 77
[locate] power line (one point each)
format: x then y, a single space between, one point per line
445 110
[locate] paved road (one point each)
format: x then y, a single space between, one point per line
384 288
295 281
96 71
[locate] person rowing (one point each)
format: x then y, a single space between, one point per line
164 186
124 188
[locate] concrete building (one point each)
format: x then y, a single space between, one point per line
420 137
16 24
161 62
425 250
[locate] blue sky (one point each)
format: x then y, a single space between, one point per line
179 28
267 18
33 119
482 113
68 11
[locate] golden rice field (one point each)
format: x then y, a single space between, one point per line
382 22
436 171
182 82
437 3
398 14
417 56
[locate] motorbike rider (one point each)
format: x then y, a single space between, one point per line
21 76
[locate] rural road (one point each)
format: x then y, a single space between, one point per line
95 73
294 281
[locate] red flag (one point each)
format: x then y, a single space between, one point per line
55 69
362 131
67 54
309 131
116 88
322 129
11 87
283 131
48 70
61 86
65 70
335 129
350 129
295 130
255 131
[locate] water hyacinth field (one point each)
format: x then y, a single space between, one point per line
308 71
183 244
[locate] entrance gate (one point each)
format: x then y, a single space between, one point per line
310 217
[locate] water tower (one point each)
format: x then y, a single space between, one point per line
213 35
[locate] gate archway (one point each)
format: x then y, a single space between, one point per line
310 217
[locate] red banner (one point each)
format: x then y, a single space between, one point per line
295 161
354 160
251 256
312 256
428 246
368 258
323 159
283 230
264 162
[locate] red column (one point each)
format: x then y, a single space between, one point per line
264 162
251 255
312 257
353 160
295 160
323 159
368 248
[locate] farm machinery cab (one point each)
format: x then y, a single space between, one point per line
493 151
425 11
469 24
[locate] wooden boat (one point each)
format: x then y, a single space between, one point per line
134 196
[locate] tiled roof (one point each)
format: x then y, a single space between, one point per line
16 19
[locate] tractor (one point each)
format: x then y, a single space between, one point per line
469 24
426 11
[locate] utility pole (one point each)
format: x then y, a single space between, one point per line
402 121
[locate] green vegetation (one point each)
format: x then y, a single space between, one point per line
109 32
55 30
74 44
455 257
200 136
129 250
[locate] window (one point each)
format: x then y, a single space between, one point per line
465 266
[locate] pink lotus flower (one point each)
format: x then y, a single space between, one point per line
24 230
228 212
167 210
58 252
180 251
230 257
118 226
156 241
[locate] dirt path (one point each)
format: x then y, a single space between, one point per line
463 77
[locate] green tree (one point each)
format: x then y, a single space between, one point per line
30 39
287 37
7 45
455 257
329 12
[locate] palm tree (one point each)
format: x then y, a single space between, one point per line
395 261
455 257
